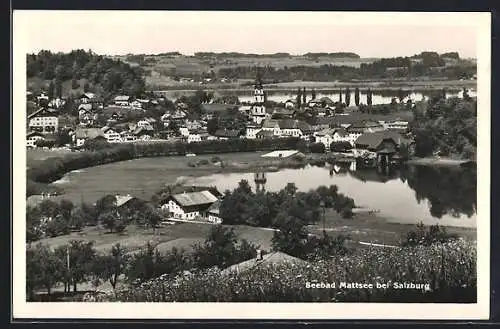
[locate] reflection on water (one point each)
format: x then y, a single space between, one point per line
377 98
408 194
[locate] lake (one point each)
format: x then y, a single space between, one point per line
432 195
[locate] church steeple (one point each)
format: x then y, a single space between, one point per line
258 91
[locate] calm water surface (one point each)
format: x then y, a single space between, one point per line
433 195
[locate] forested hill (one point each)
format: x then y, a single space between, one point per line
64 73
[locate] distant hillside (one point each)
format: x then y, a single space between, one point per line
62 74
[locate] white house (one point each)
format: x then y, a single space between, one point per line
32 138
145 124
184 131
332 135
395 124
190 206
87 98
136 104
194 138
287 128
42 97
122 100
127 136
111 135
251 131
57 103
273 126
213 213
44 120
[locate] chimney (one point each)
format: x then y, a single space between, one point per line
259 254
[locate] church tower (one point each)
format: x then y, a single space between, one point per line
258 109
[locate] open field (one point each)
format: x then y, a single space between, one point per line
186 65
362 228
148 175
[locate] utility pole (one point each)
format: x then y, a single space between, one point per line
68 268
322 204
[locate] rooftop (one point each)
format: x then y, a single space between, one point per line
122 98
195 198
122 199
373 140
90 133
274 258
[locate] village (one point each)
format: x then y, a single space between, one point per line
334 125
336 128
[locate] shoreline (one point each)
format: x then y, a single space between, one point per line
380 86
432 161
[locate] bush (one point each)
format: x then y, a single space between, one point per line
317 148
215 159
203 162
427 235
340 146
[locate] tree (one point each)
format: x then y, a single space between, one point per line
58 89
43 269
291 236
106 203
356 96
96 144
326 246
313 94
317 148
299 98
57 226
347 97
111 221
219 248
340 146
212 125
51 89
152 217
340 96
369 97
142 265
304 97
81 256
110 267
86 87
74 84
33 224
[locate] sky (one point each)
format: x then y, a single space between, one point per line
367 34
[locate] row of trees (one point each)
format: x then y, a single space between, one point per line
301 98
380 69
